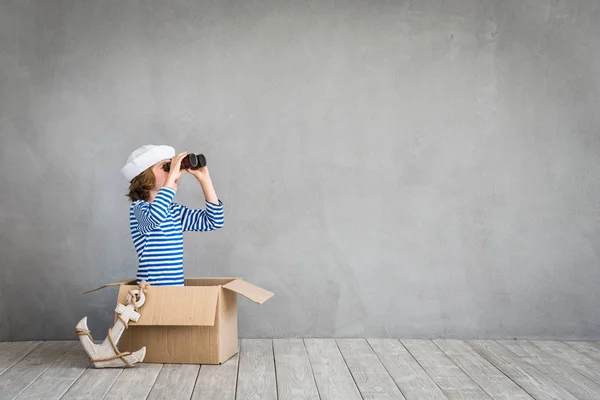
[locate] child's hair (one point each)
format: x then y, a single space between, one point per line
140 186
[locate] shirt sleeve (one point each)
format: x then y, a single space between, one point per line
202 220
151 215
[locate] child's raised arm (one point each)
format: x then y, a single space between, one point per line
202 220
151 215
207 219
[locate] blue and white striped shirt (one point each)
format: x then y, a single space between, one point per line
157 232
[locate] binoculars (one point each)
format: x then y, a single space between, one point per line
191 161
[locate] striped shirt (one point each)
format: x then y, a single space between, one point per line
157 232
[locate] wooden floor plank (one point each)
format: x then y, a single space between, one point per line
489 378
134 383
409 376
217 382
331 373
565 352
12 352
526 376
175 382
18 378
590 349
256 374
579 361
61 375
295 380
371 377
449 377
554 369
93 384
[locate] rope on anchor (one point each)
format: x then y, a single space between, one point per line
118 354
134 298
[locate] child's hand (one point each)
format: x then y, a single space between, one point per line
175 170
201 174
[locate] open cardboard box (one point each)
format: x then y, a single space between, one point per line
191 324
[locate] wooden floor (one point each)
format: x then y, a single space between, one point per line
344 369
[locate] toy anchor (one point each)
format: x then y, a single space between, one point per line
107 355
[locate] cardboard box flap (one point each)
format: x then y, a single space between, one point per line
248 290
176 305
128 281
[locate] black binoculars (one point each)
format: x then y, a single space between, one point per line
191 161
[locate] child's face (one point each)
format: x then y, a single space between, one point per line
160 174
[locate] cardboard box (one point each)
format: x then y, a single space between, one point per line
191 324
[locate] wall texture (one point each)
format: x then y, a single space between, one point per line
389 168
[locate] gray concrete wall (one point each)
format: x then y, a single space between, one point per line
388 168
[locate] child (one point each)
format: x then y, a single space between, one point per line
156 222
